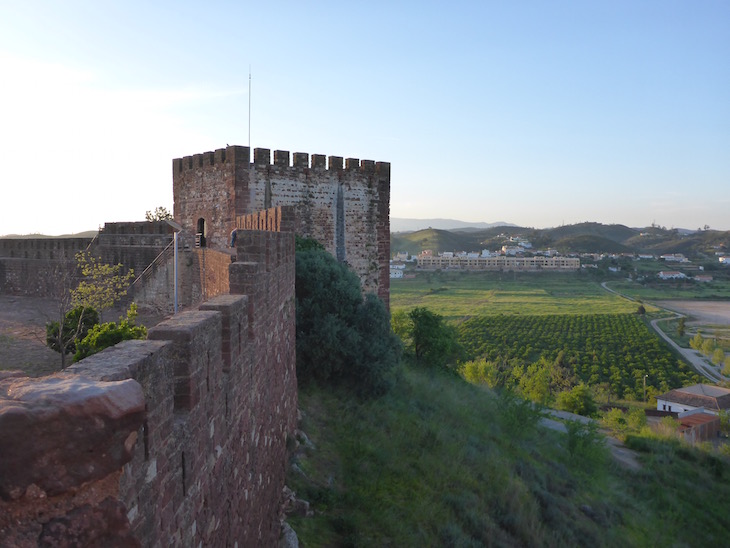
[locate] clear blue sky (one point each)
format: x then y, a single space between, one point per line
535 113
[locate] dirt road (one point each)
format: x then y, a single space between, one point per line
705 312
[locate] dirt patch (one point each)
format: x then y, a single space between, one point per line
23 333
705 312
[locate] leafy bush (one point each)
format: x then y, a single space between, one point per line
108 334
76 325
586 445
341 337
578 400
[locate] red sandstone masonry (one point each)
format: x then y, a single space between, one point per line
343 203
219 384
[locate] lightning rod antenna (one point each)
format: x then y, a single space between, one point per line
249 107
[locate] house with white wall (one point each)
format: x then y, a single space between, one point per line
395 273
709 397
671 275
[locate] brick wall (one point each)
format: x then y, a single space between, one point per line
219 386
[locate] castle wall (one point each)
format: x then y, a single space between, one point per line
344 204
207 464
27 265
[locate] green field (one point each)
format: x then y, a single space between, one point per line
457 295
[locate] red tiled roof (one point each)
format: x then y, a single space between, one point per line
700 395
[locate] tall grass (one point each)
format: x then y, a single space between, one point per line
438 462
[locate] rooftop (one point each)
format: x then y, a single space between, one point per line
700 395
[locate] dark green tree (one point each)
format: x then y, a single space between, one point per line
578 400
341 337
430 340
681 326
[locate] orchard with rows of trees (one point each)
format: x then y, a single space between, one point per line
613 351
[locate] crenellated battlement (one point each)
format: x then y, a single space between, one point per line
275 219
235 154
341 201
229 155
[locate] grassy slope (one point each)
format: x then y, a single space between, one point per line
438 462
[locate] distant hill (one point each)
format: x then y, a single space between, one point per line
614 233
589 243
578 238
410 225
86 234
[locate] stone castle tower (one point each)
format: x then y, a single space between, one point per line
344 205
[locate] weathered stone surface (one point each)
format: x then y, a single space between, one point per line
103 525
289 537
61 431
11 373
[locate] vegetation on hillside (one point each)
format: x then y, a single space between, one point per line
438 462
582 237
429 340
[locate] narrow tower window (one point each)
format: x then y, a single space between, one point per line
200 233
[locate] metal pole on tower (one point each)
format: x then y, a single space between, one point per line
249 106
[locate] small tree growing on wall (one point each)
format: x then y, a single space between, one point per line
64 328
78 305
159 214
103 285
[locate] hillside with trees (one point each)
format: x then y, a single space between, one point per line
578 238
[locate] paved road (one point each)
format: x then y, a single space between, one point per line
697 360
694 358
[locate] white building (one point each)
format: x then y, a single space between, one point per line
511 250
711 398
500 262
674 258
671 275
